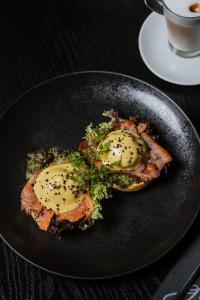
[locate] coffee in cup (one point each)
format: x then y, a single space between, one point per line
183 24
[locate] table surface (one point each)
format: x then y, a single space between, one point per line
41 39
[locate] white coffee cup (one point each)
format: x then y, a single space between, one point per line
183 23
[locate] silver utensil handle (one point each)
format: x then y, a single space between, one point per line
182 275
155 5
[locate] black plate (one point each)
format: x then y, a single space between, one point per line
138 228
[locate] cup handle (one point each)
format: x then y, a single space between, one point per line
155 5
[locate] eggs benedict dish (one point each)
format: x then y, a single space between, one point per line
127 149
64 189
52 197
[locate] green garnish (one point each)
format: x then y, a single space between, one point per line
94 154
76 159
111 114
96 134
101 191
36 161
122 180
103 148
43 158
57 154
99 186
97 211
90 153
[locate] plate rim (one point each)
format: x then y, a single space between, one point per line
170 101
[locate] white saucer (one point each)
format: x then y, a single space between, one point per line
158 57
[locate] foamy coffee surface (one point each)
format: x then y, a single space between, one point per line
182 7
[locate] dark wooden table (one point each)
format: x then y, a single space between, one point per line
40 39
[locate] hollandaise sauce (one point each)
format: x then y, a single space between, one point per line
126 150
55 190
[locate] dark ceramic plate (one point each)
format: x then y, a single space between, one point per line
138 228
